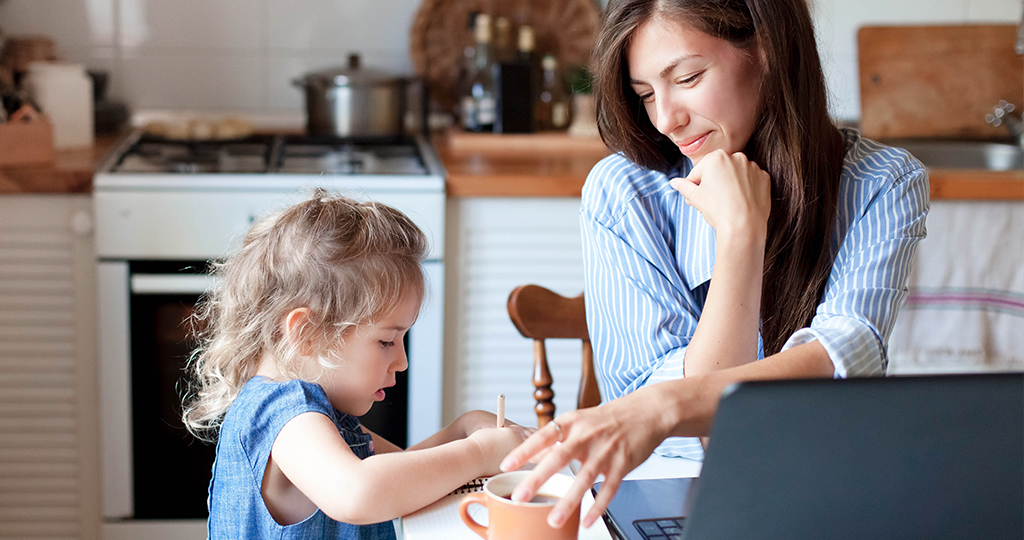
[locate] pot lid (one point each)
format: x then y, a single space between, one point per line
352 75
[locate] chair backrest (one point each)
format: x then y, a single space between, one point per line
540 314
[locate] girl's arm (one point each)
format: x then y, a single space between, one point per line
380 444
462 427
315 458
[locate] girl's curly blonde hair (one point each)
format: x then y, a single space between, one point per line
349 262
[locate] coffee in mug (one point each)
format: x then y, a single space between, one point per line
511 520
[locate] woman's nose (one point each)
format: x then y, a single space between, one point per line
670 115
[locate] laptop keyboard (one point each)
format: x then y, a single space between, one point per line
660 529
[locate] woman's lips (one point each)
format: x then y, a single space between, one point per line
379 395
692 145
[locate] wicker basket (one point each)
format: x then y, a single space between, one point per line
440 35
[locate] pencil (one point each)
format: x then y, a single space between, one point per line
501 410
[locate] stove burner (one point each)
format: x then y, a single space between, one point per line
274 154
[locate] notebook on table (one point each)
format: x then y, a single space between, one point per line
938 457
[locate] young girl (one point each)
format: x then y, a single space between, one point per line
303 333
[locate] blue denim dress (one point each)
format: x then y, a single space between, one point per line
250 427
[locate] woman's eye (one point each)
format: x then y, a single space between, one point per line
646 98
386 344
691 79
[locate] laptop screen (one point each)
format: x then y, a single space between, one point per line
900 457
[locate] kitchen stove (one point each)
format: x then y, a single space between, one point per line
163 209
272 154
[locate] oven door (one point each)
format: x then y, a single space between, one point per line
152 467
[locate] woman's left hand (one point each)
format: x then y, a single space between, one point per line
611 439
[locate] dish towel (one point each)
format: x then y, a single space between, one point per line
965 310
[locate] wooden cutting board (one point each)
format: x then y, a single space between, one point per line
937 81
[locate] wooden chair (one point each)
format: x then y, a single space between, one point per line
540 314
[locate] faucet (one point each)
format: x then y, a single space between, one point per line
1020 32
1000 115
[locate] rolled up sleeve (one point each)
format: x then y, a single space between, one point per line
868 282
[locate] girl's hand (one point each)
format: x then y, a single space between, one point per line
473 421
611 439
496 443
730 191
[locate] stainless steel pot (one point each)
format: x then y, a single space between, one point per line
354 102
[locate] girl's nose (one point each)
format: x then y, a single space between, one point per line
670 115
402 362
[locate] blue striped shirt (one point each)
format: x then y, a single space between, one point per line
648 259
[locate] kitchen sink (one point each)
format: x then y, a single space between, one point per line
989 156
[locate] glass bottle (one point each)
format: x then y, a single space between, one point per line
482 80
466 68
503 51
552 110
525 44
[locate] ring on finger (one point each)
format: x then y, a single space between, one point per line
558 428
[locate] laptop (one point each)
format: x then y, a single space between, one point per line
937 457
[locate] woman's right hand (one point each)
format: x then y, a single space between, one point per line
610 440
730 191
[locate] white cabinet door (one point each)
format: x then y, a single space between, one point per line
49 471
495 245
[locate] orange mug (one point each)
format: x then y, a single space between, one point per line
511 520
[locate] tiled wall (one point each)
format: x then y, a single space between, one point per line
242 54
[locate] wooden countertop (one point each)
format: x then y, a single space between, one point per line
488 165
70 172
529 165
556 165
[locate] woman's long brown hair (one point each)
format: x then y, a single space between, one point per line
795 141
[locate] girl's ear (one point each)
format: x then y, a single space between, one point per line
296 325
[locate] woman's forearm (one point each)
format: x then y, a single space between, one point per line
726 335
687 406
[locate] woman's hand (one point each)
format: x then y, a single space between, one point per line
730 191
611 439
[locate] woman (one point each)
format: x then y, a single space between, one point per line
737 235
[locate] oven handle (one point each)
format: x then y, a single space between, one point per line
157 284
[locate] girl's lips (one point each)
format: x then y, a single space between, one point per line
379 395
693 145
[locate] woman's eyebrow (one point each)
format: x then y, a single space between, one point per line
669 68
674 63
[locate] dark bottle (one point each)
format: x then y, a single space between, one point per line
502 51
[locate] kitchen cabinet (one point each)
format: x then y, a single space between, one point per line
493 245
49 449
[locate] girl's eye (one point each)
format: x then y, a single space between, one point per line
646 98
387 344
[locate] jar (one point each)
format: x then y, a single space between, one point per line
63 93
